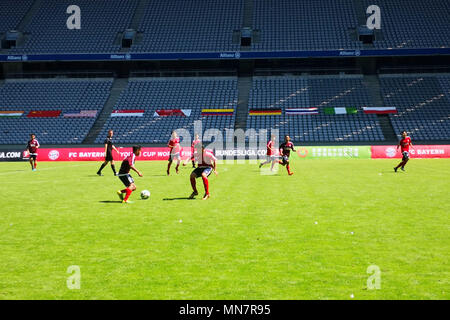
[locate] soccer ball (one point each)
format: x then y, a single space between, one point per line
145 194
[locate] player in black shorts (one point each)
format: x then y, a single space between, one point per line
109 147
285 152
206 164
404 144
125 176
32 147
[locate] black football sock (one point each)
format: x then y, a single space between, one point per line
404 164
101 168
113 167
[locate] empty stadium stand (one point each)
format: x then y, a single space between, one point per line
317 92
413 24
209 25
422 102
50 95
12 12
185 26
101 21
151 94
304 25
179 26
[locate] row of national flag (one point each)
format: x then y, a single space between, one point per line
327 111
253 112
50 114
187 112
115 113
171 112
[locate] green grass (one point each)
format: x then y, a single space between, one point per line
256 238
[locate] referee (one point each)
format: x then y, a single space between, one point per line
109 146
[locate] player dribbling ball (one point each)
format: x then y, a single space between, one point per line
125 176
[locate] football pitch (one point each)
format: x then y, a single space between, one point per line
312 235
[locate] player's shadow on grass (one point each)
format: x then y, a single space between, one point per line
171 199
390 171
110 201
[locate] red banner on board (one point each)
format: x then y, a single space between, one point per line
98 154
419 151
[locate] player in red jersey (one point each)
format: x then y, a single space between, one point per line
124 174
193 150
174 153
206 163
271 153
32 147
285 152
404 144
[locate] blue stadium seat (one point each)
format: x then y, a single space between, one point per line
27 95
101 21
12 12
422 102
315 91
208 25
151 94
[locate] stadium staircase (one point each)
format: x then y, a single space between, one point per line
25 21
372 83
136 21
360 12
244 87
247 19
29 15
118 86
245 80
138 14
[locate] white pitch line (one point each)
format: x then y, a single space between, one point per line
49 168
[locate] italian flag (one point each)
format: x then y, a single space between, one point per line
340 110
379 110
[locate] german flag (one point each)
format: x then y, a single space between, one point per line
217 112
265 112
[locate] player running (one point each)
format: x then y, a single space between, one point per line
206 163
32 147
109 147
271 151
175 149
193 150
404 143
125 176
285 152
